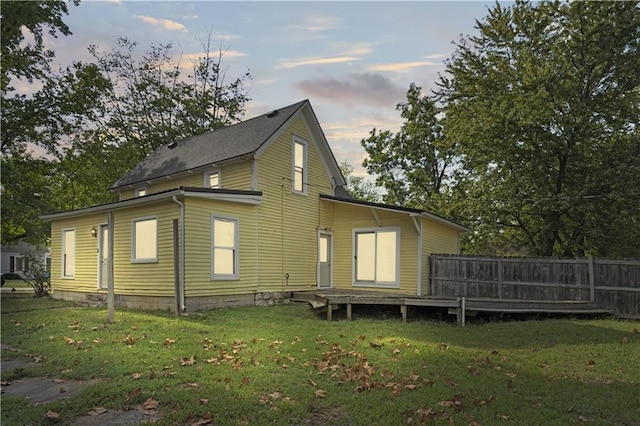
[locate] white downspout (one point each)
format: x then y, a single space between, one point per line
182 257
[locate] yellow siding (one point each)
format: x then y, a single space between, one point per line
288 222
436 238
237 176
193 179
234 176
350 217
86 253
145 278
125 194
198 280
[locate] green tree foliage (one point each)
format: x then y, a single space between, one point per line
25 182
414 165
540 126
123 106
358 186
92 122
544 103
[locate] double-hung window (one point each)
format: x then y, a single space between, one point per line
376 253
299 171
224 248
68 253
144 240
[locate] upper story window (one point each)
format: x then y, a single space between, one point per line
140 192
212 179
299 166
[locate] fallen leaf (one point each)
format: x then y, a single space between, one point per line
204 401
320 393
96 411
52 415
591 363
205 420
188 361
150 404
375 345
69 340
169 342
312 383
134 393
395 351
443 346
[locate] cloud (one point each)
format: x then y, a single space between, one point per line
162 23
226 37
355 49
357 88
226 54
294 63
402 66
315 24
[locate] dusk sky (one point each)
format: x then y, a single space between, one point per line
354 61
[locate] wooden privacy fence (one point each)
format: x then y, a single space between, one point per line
611 284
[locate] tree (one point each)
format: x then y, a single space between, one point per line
415 165
358 186
118 110
544 104
25 58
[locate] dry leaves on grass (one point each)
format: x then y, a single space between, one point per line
207 419
96 411
188 361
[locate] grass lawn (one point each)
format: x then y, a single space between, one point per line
286 365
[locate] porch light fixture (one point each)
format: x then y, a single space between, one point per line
94 232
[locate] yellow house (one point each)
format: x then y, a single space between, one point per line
245 214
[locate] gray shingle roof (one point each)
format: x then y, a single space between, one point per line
212 147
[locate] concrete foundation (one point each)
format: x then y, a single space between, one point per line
164 303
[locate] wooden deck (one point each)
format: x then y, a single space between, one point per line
332 299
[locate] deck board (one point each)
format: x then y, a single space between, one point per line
331 299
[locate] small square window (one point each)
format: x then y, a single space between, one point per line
141 192
212 179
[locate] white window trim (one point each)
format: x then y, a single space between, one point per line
305 165
133 240
375 283
63 251
236 258
136 191
207 173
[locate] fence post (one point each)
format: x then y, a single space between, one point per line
592 280
500 278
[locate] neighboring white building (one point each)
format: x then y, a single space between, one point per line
13 260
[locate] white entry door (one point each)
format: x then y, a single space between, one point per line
325 264
103 257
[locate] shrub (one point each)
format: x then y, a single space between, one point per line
37 275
